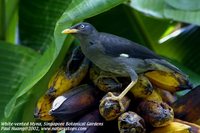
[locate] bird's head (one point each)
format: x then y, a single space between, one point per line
81 29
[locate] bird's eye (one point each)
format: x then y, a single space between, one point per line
82 26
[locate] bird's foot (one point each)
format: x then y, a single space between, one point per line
112 97
119 98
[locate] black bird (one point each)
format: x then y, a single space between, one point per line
117 55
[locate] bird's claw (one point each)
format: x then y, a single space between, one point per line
112 97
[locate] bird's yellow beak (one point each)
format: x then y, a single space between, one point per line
70 31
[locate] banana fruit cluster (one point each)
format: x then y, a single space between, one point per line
77 93
65 79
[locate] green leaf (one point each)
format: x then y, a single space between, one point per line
37 21
182 15
2 20
178 10
75 11
37 32
184 4
11 20
151 7
16 64
11 29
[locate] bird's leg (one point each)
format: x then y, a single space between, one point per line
125 91
134 79
119 98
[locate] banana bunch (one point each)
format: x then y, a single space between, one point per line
69 77
152 92
79 92
167 80
65 79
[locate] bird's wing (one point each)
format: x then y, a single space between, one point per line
116 46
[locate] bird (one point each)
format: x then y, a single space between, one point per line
118 55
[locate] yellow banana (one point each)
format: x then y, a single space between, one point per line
155 96
194 127
64 80
60 82
42 108
173 127
144 90
170 81
178 126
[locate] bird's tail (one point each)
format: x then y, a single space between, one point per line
170 67
167 76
